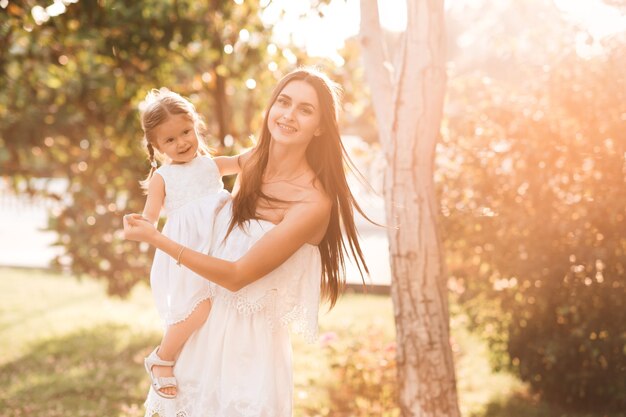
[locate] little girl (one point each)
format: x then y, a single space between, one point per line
189 186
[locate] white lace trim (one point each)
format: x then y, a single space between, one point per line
240 302
191 402
181 406
208 295
301 320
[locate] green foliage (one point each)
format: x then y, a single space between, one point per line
534 205
71 86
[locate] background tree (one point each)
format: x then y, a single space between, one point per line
408 97
71 81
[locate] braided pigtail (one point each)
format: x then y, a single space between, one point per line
153 166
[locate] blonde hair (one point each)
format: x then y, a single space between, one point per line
155 109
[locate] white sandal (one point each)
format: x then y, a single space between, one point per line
158 383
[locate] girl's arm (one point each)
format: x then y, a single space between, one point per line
154 199
229 165
301 224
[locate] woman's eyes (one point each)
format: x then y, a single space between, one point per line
286 103
186 132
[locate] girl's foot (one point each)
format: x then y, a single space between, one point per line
165 372
163 381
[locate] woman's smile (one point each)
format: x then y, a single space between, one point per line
286 128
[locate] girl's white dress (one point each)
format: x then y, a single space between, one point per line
238 364
194 192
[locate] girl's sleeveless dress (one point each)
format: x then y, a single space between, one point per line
194 192
238 364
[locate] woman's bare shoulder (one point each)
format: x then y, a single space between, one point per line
311 189
315 195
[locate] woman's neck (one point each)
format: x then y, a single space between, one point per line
284 162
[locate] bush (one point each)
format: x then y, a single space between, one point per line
365 370
569 342
535 221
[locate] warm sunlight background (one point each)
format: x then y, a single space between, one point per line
530 180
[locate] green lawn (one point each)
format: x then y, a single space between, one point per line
69 350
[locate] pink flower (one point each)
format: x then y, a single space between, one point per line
327 338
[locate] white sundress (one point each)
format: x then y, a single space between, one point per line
239 364
194 192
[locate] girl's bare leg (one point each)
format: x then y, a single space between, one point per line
175 337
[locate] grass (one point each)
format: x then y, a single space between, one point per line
67 349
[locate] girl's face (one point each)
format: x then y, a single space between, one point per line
295 116
177 138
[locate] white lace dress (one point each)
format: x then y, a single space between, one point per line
194 193
238 364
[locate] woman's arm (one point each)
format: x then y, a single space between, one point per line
230 165
154 199
300 225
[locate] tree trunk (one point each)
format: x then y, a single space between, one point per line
221 107
408 100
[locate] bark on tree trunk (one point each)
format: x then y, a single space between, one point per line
218 91
221 108
408 100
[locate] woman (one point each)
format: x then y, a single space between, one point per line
282 240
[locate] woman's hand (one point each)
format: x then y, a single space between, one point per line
138 228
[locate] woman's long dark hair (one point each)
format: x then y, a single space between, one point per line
326 156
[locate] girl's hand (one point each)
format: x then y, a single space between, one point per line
138 228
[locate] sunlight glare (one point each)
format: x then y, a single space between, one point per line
324 36
597 17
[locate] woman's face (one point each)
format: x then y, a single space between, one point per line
295 116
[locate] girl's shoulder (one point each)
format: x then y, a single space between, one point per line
201 161
208 163
206 159
163 168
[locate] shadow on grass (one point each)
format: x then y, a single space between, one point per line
522 405
36 313
94 372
